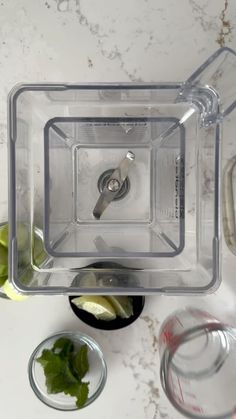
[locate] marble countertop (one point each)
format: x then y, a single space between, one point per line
88 41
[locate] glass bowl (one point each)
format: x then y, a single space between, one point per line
96 375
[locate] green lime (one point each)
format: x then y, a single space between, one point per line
39 254
21 234
2 280
12 293
3 261
122 305
96 305
88 280
4 235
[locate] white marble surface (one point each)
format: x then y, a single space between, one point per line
106 40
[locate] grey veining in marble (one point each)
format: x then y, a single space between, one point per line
93 41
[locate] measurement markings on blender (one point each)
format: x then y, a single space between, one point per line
179 187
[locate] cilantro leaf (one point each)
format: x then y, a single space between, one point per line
80 362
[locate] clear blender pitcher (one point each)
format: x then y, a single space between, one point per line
122 182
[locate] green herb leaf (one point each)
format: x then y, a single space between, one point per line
63 347
80 362
47 356
57 372
82 395
58 376
63 370
73 389
80 391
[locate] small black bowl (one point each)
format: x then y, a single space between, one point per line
138 304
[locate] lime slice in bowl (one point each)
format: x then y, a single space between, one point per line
122 305
96 305
89 280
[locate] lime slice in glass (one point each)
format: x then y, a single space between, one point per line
39 254
12 293
22 236
122 305
4 235
2 280
96 305
3 261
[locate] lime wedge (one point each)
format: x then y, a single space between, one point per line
96 305
89 280
4 235
122 305
3 261
39 254
21 233
2 280
22 237
12 293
